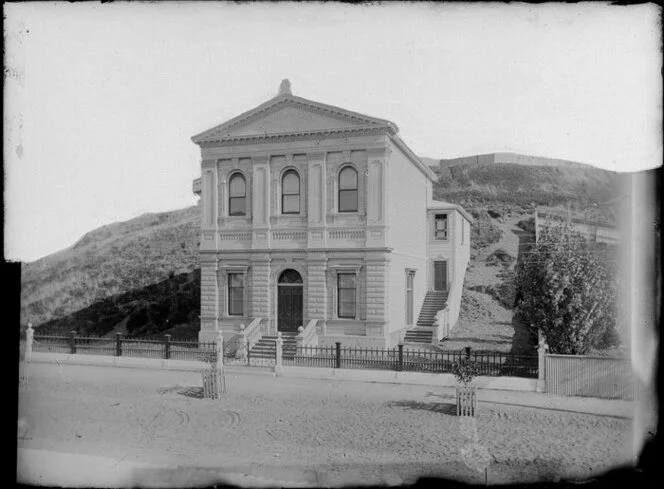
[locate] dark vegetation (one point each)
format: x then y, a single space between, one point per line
568 289
170 306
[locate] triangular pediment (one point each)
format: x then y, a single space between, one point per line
287 114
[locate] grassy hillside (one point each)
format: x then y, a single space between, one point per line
169 306
109 261
512 187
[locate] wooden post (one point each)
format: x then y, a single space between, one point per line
219 348
279 360
29 338
167 347
72 342
541 363
244 351
338 355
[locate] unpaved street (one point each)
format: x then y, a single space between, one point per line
308 431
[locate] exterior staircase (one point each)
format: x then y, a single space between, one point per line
422 333
266 346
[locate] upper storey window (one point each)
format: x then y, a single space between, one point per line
348 190
290 193
441 226
237 196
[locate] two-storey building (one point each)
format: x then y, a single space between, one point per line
315 213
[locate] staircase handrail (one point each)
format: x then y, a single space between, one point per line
441 320
252 332
307 335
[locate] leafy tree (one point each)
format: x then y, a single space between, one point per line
567 288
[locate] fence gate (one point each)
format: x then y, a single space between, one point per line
572 375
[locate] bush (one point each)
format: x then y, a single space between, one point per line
464 370
568 292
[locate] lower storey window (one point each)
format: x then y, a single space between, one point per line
236 294
346 288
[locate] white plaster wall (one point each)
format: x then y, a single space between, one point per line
407 195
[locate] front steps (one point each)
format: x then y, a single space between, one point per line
419 336
266 346
434 301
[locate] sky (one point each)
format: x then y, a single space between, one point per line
101 100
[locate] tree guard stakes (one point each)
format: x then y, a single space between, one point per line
465 371
214 380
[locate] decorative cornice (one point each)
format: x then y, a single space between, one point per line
297 136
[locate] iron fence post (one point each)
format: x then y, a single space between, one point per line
29 338
248 354
400 365
118 344
338 355
72 342
167 347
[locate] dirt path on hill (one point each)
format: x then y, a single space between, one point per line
486 324
326 433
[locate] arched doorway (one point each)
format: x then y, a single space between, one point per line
289 301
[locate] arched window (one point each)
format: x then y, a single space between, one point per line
290 193
348 190
237 195
290 276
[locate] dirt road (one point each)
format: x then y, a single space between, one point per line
305 431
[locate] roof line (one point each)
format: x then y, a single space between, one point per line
288 97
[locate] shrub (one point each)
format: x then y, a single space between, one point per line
464 370
568 289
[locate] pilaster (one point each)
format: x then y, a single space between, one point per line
209 293
261 202
317 286
316 200
377 218
260 288
377 291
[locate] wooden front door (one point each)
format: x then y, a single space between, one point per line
289 302
440 275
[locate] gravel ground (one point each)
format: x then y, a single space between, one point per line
312 431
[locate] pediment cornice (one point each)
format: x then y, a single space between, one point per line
294 136
223 132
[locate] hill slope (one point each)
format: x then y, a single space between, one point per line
108 261
521 188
